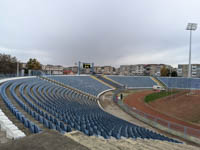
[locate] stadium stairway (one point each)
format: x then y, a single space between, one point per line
98 78
158 82
107 81
126 143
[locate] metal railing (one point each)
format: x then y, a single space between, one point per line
168 124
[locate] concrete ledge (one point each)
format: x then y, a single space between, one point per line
15 134
5 125
98 100
12 132
15 78
133 88
104 92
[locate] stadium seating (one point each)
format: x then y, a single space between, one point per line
181 83
64 109
83 83
134 81
15 111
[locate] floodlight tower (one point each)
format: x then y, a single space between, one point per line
191 27
17 68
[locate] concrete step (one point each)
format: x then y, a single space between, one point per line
99 143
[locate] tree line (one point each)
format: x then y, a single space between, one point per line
8 64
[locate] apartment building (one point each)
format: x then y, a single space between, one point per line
131 70
108 70
53 69
142 69
154 69
97 69
183 70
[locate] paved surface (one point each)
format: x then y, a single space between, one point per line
48 140
109 106
3 138
98 143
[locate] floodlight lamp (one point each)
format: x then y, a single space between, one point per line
191 26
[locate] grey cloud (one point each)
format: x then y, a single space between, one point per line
104 32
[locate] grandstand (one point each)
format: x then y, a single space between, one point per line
65 110
180 82
134 81
84 83
69 103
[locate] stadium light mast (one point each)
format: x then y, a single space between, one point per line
191 27
17 68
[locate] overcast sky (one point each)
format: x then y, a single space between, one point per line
106 32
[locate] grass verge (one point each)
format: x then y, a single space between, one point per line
154 96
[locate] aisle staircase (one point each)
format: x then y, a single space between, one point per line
104 79
158 82
103 82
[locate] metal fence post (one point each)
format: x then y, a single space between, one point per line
185 130
168 124
145 116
